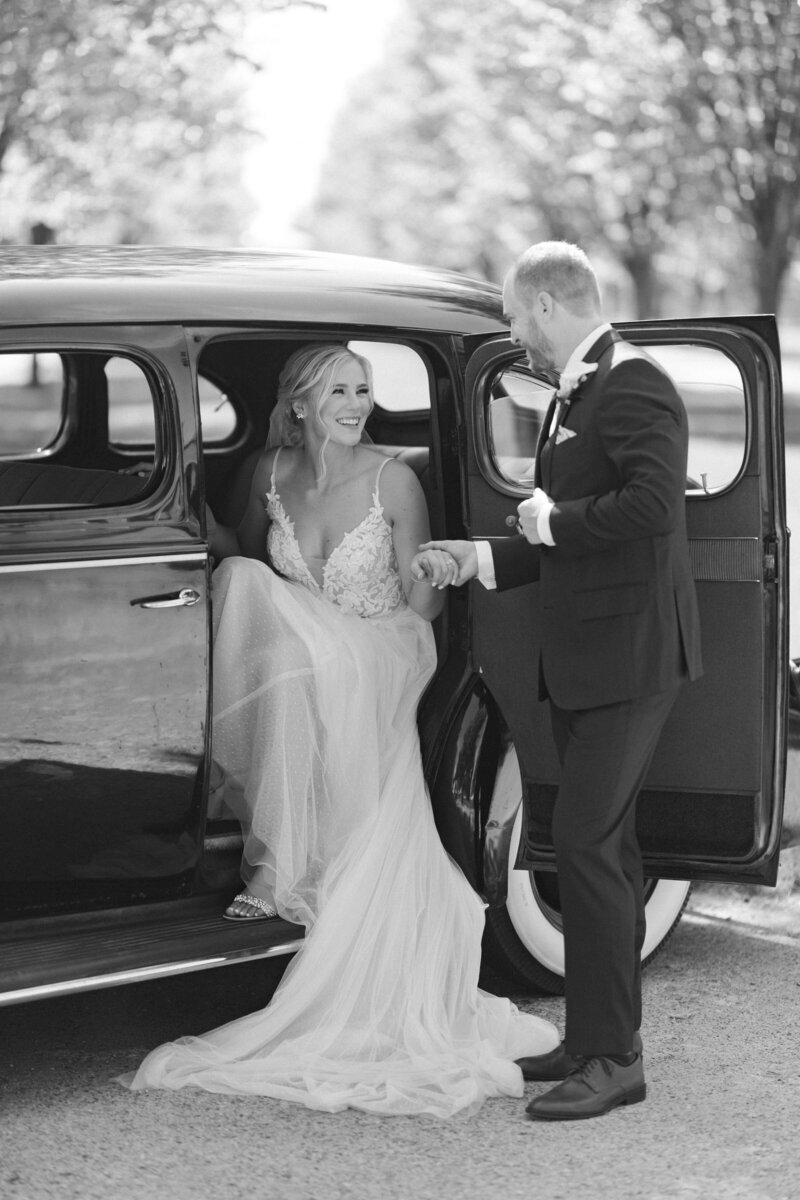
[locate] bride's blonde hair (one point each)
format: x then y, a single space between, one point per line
308 374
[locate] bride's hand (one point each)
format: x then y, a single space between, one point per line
438 567
463 554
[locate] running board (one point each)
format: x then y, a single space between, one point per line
83 952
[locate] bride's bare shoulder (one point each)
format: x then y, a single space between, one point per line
399 484
267 459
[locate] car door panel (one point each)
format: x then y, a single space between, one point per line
712 802
104 705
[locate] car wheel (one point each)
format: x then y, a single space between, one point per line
525 937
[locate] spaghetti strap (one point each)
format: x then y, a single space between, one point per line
272 484
376 500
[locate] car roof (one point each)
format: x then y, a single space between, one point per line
58 285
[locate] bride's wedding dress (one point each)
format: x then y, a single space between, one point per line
316 687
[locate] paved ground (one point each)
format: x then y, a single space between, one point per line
720 1122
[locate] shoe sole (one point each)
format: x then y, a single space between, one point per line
544 1078
241 920
636 1096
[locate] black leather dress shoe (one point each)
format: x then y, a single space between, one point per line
544 1068
592 1089
557 1064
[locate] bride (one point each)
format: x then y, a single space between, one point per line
323 647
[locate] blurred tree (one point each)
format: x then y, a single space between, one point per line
589 111
417 164
741 65
482 134
109 106
493 125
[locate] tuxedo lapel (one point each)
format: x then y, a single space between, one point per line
543 454
540 441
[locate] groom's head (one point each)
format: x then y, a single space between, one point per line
551 301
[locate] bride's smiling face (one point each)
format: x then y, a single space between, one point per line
343 407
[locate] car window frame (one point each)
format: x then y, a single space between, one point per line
644 338
104 342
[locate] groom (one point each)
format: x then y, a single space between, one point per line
604 533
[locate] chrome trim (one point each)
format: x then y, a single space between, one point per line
71 564
95 983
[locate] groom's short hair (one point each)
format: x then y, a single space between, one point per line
561 269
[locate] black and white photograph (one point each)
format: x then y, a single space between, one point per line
400 704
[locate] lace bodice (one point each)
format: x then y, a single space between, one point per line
360 575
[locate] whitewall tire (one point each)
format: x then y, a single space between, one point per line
526 937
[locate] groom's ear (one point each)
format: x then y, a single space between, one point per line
544 306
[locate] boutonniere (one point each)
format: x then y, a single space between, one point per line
571 380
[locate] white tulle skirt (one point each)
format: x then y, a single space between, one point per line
380 1010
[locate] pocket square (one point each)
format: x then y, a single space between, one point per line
563 434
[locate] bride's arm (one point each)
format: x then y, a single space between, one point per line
251 533
404 505
250 536
222 540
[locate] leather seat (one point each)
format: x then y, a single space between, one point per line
23 483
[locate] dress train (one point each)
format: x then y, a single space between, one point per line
380 1010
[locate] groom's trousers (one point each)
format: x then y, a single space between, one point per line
605 754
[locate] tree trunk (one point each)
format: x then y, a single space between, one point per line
770 266
775 216
640 265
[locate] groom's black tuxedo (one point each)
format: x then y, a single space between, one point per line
617 598
619 634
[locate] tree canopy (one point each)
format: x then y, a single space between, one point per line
741 66
107 107
658 132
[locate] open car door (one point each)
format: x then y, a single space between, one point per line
712 803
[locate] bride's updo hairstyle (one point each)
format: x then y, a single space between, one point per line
308 375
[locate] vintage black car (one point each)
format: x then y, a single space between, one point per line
135 388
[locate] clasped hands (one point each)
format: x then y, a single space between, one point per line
437 563
449 563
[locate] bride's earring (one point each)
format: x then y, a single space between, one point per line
301 416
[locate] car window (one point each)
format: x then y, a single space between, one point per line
709 382
55 409
712 389
218 419
31 392
400 376
515 412
131 419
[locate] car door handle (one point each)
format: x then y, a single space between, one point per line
184 597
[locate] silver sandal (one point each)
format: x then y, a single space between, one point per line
266 913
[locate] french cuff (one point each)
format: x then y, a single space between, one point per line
485 565
543 523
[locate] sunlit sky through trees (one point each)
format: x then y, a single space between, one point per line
310 59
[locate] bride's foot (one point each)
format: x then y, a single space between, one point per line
245 907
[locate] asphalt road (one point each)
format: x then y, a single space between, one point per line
721 1119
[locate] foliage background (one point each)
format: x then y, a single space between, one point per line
663 135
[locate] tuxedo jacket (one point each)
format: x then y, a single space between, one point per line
618 609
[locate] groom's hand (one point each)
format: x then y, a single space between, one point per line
530 511
464 554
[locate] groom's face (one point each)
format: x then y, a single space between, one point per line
520 312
